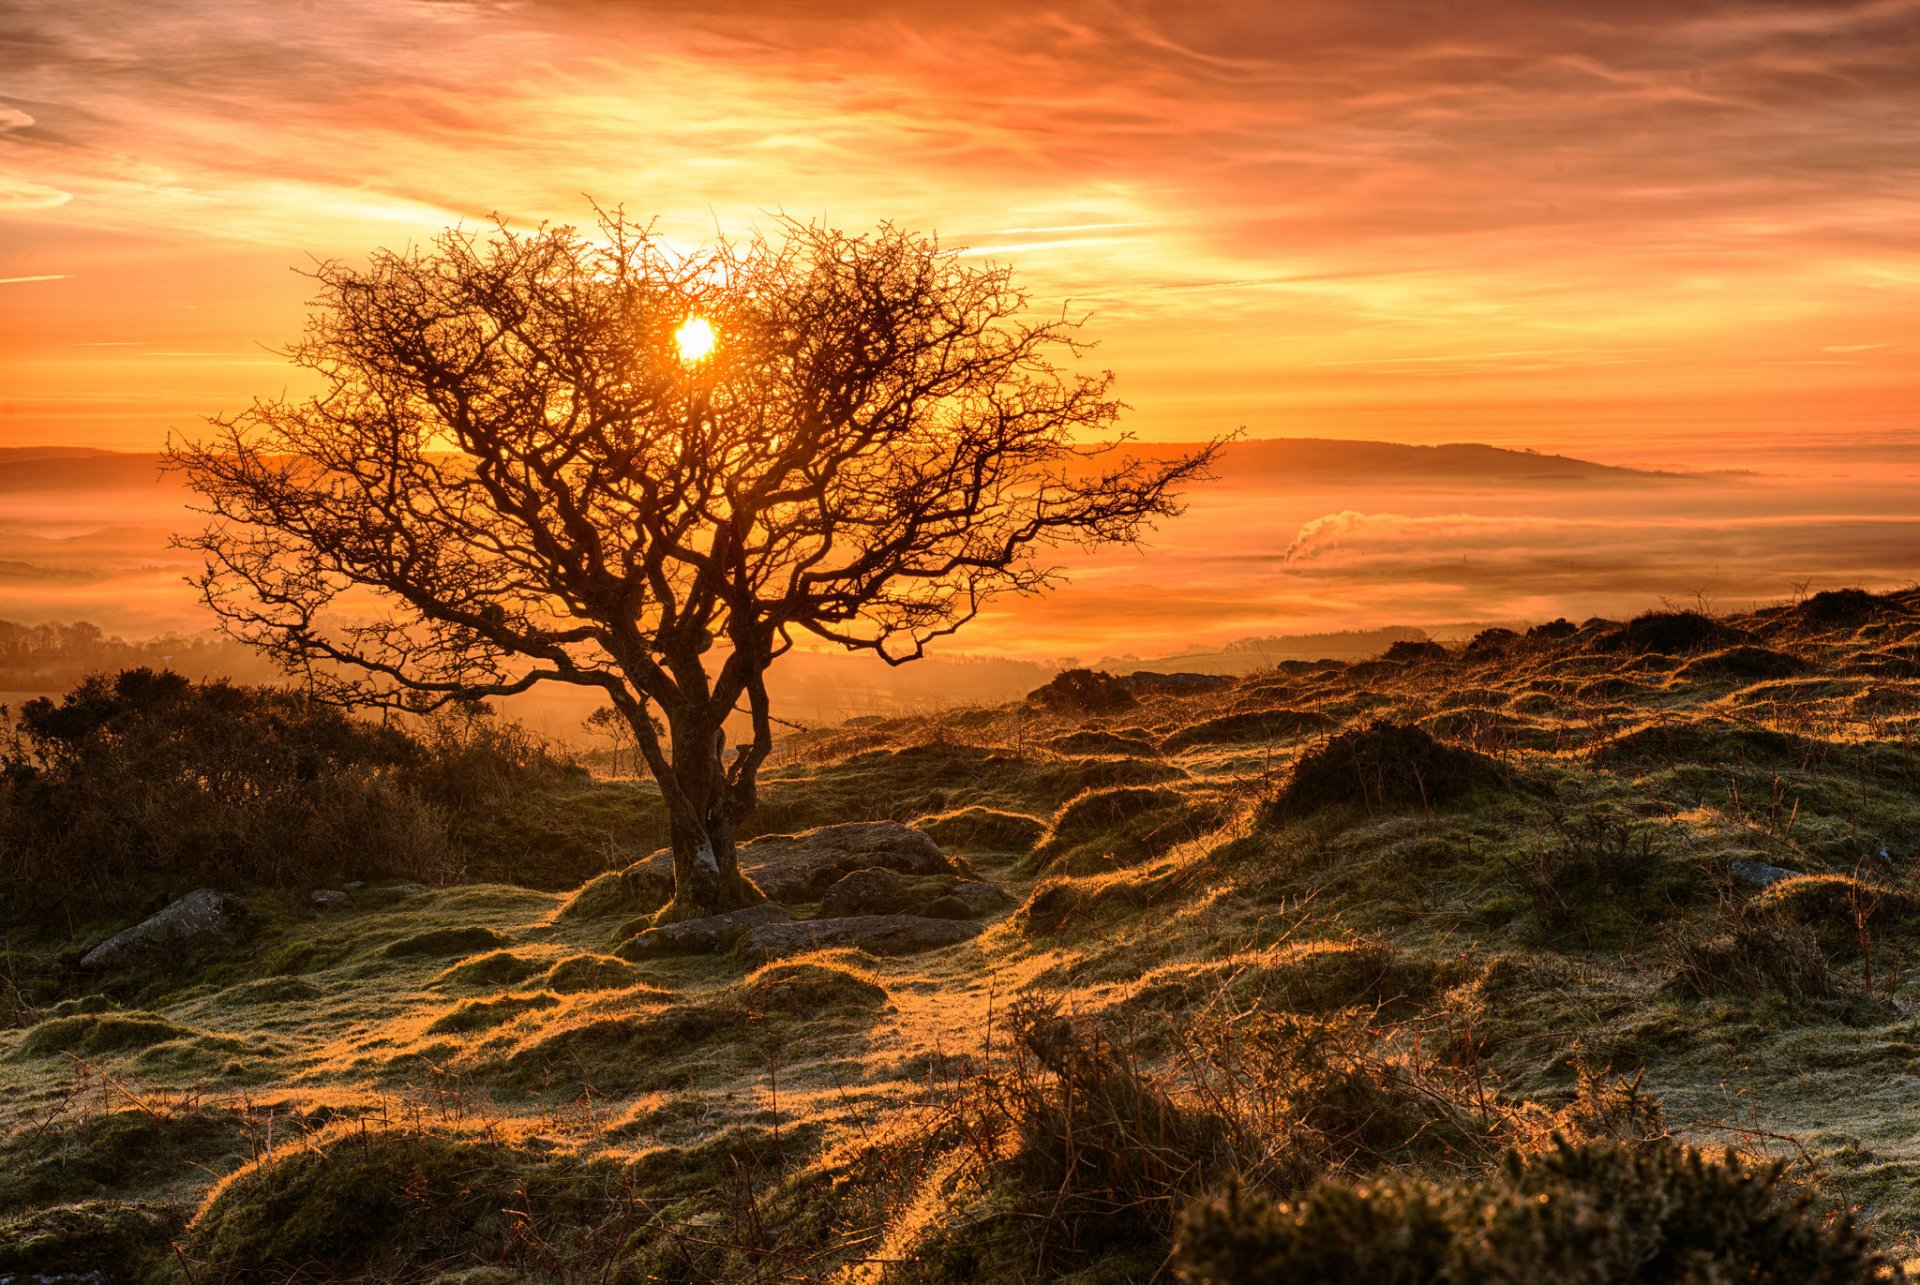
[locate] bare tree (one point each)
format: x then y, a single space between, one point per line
548 457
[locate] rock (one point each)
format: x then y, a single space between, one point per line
701 936
875 934
325 897
408 889
201 913
354 885
1760 874
973 897
878 891
800 867
787 867
874 891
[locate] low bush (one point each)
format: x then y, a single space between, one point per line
1596 1212
1083 691
139 787
1383 766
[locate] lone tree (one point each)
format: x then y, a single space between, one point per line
543 457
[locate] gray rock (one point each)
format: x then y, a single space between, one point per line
873 891
325 897
801 867
702 936
200 914
1760 874
879 891
975 897
875 934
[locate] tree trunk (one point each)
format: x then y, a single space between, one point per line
704 820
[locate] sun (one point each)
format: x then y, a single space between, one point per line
695 338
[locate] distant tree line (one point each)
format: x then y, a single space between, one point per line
53 657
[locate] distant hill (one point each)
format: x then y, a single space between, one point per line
1298 460
1256 461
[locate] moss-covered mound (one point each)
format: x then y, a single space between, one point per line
639 889
1099 741
1383 766
1671 633
106 1240
1251 726
1839 608
1745 662
124 1154
448 941
388 1204
1127 824
978 829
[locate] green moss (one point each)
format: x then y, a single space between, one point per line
389 1203
978 829
495 968
124 1154
590 973
1125 824
118 1240
473 1015
101 1033
447 941
805 991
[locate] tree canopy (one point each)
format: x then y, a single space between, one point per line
603 461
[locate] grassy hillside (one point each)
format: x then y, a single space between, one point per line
1431 952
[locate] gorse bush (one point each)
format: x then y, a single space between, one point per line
1596 1212
147 783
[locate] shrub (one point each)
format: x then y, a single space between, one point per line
146 783
1083 691
387 1204
1671 633
978 829
1581 1212
1842 607
1410 652
1386 765
1752 949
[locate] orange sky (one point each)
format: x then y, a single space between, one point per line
1640 230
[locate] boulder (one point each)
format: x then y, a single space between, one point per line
801 867
200 914
968 899
874 891
879 891
875 934
787 867
1759 873
326 897
699 936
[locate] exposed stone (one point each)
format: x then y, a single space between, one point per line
1760 874
974 898
325 897
800 867
874 891
879 891
699 936
875 934
201 913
